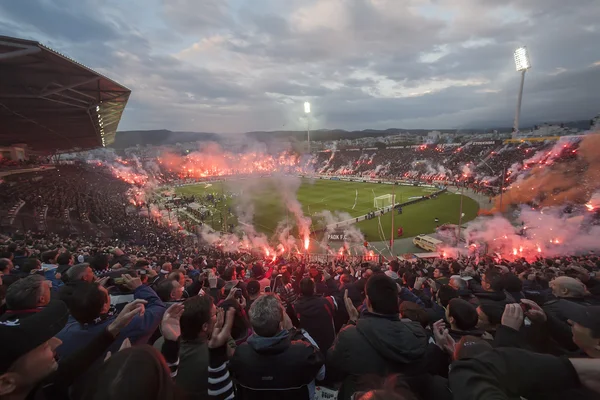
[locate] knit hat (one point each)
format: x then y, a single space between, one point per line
22 334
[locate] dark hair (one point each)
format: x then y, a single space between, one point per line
48 256
147 377
241 324
84 300
228 273
394 265
493 310
383 294
445 294
63 258
414 312
410 279
196 313
464 314
253 287
164 289
307 287
494 279
99 262
141 263
4 262
345 278
175 276
30 264
512 283
24 293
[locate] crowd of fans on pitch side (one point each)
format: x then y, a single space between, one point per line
90 319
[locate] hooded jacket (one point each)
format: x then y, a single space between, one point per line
278 367
316 315
379 345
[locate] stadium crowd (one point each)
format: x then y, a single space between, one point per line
87 318
89 199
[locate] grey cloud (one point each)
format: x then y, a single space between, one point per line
337 69
194 16
60 19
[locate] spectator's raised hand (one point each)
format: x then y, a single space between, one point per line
169 325
126 315
131 282
352 311
513 316
222 330
102 281
442 337
534 311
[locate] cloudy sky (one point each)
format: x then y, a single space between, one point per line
242 65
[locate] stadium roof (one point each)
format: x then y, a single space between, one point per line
53 103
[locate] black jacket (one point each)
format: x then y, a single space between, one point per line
563 309
316 314
491 296
277 367
511 373
380 345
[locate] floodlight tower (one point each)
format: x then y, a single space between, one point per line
522 64
306 112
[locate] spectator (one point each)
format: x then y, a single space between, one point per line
80 272
31 265
169 291
258 273
492 285
90 309
27 295
49 267
28 368
378 342
463 319
197 322
64 260
253 288
315 314
6 268
570 298
277 361
586 330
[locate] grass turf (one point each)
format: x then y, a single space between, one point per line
318 195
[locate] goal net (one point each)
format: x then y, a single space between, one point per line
387 200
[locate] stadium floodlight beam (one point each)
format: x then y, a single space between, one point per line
306 112
522 64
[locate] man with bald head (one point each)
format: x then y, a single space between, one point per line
569 298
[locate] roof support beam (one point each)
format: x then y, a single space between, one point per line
62 88
64 102
24 50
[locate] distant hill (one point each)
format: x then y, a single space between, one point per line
125 139
166 137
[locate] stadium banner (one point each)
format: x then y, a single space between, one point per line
337 236
484 143
531 139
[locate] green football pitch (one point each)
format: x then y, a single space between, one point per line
353 198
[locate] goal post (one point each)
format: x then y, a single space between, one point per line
381 202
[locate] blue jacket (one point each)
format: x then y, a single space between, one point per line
49 271
74 335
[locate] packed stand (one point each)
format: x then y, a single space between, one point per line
95 320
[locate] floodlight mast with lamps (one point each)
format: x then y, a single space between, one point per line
306 112
522 64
